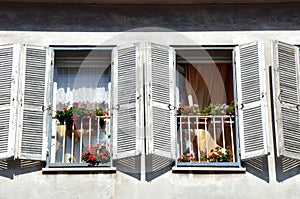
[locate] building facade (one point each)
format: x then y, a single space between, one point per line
160 77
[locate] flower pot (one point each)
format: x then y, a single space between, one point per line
60 130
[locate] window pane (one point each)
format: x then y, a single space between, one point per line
82 101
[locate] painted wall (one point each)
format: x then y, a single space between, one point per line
269 177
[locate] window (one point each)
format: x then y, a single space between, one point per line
82 97
206 97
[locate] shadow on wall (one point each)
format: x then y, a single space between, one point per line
130 166
157 166
286 168
11 168
258 167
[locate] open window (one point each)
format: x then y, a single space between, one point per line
82 106
221 100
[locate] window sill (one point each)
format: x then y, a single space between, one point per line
78 170
210 170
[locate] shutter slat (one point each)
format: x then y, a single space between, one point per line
33 135
250 86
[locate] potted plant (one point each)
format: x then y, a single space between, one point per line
94 155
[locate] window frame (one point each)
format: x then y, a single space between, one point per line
72 167
236 139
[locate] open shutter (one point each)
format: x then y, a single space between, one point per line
9 65
251 97
35 99
160 95
127 100
286 98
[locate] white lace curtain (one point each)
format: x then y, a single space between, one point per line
86 85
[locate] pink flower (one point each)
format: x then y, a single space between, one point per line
75 104
74 118
181 105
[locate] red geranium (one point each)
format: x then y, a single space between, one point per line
96 154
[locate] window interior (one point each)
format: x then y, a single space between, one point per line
204 79
82 80
83 76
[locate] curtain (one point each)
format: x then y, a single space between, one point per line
208 83
86 85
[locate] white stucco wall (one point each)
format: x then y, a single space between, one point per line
169 185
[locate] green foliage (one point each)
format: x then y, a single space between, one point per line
219 154
212 109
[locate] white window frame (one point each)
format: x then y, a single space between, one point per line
51 165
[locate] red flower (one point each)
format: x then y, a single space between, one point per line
90 151
74 118
75 104
64 108
91 158
92 115
181 105
98 145
83 153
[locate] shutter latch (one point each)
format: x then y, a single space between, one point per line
241 106
279 96
171 107
46 109
117 107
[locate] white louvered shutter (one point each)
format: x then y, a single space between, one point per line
251 97
9 65
35 98
286 85
160 121
127 101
